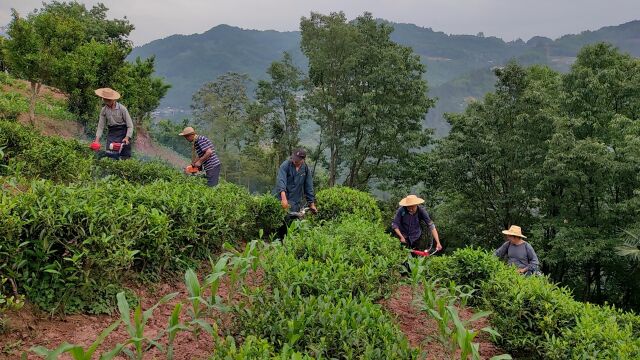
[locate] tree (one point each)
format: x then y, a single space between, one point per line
221 106
141 91
368 95
68 46
281 94
491 161
591 176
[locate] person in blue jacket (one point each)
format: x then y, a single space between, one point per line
294 182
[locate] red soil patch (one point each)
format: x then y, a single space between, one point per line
28 327
50 127
144 144
421 330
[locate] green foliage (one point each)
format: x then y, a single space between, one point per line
535 316
142 173
269 214
68 46
345 258
467 267
340 201
12 105
441 303
55 159
279 93
352 66
140 89
71 245
328 327
600 333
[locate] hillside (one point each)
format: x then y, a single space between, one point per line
53 118
458 66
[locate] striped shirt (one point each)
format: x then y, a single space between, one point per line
201 144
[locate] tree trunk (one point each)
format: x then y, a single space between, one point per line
35 89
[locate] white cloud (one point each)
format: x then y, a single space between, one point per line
508 19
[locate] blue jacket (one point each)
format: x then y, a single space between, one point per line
295 184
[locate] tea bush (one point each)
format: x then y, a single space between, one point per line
342 258
536 316
325 326
338 201
600 333
141 172
269 214
55 159
70 244
14 139
466 267
12 105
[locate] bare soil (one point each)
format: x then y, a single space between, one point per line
30 327
422 330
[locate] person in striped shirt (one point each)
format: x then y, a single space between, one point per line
203 155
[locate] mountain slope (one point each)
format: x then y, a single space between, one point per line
458 66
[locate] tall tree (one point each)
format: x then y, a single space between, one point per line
368 93
221 106
490 164
281 92
64 44
592 176
141 90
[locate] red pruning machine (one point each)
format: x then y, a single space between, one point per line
116 147
424 253
95 146
191 170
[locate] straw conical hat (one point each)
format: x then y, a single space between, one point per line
108 93
411 200
514 230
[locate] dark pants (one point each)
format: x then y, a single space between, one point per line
213 176
115 134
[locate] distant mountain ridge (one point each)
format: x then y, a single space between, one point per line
458 66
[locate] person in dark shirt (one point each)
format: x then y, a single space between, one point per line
294 181
518 252
406 223
203 155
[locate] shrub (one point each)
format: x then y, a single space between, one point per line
55 159
269 214
141 172
346 328
536 316
466 267
14 138
339 201
345 258
600 333
70 246
12 105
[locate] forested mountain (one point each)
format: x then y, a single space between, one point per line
458 66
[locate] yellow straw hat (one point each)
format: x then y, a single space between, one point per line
411 200
108 93
187 131
514 230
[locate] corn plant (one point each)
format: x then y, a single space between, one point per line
240 263
440 303
198 303
175 326
77 352
135 328
213 281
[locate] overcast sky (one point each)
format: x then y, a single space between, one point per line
508 19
